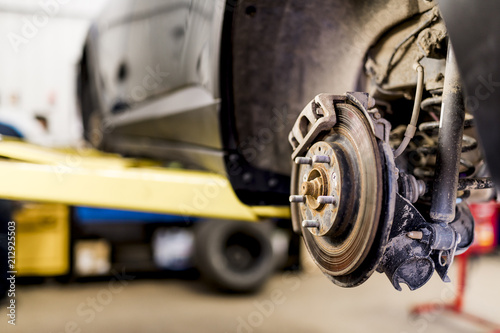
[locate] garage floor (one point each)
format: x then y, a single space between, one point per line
305 302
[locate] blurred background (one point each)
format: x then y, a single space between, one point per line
88 269
39 67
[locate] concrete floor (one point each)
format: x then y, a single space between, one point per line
305 302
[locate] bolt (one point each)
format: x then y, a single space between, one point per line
297 198
309 188
417 235
326 199
321 159
303 160
310 224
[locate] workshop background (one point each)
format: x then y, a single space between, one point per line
87 269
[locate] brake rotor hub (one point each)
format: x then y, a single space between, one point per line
338 185
321 188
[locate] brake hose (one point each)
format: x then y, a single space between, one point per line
412 127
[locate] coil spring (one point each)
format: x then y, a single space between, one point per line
428 151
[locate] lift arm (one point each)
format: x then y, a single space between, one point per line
89 178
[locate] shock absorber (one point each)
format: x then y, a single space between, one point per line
451 127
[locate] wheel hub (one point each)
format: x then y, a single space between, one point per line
321 188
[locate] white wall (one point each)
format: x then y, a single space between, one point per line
40 46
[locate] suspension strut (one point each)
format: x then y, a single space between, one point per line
451 127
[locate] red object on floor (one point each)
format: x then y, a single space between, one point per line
486 227
485 240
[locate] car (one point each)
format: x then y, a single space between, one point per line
354 112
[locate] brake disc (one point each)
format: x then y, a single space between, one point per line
339 187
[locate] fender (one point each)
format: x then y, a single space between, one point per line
277 55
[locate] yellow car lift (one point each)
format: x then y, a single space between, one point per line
47 181
90 178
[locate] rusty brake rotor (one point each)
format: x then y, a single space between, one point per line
338 187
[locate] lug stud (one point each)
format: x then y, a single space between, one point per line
297 198
310 224
327 199
417 235
303 160
321 159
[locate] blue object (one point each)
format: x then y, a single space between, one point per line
9 130
86 215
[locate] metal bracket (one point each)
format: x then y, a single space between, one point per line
381 128
417 248
317 117
407 260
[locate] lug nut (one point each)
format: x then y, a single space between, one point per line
327 199
321 159
297 198
303 160
310 224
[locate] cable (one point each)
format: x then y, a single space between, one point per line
412 127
